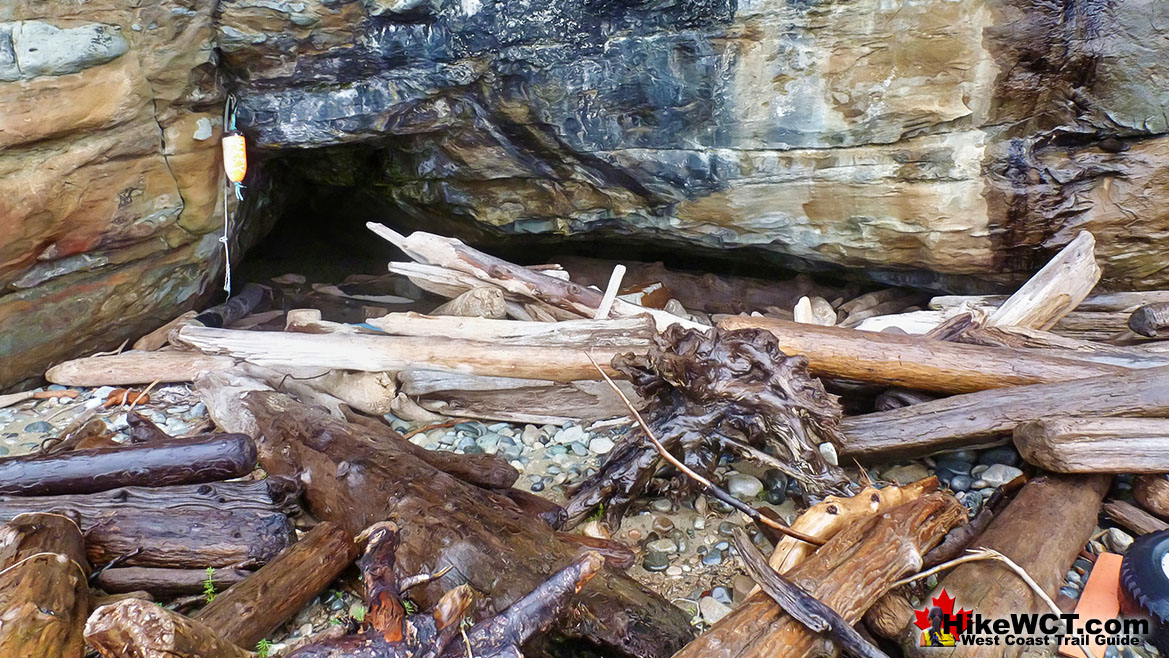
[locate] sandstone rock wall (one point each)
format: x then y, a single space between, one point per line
109 172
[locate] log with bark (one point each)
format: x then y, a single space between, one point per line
354 480
193 460
848 574
912 362
249 611
1042 530
163 583
1095 445
187 526
253 298
133 628
715 393
1152 492
976 418
44 596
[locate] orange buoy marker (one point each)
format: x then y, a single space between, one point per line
235 160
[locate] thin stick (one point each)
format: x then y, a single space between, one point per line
610 293
141 395
802 606
710 487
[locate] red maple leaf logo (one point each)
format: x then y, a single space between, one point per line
946 603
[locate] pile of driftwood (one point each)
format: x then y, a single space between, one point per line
1076 380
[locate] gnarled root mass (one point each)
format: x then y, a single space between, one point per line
715 393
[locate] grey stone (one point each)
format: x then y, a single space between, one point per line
744 487
601 445
954 465
1000 455
712 609
579 449
662 505
655 561
721 594
999 474
727 529
489 442
538 485
1070 592
408 7
9 71
531 435
203 129
39 427
713 558
570 434
961 482
44 49
828 452
666 546
1118 540
906 474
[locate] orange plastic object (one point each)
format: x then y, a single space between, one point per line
1099 600
235 156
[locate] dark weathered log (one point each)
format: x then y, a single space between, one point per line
847 574
179 461
964 420
914 362
249 611
43 592
483 469
252 299
167 583
1095 445
355 480
142 430
139 629
1152 492
1060 509
270 495
1133 517
541 508
183 538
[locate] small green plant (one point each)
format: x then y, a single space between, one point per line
410 606
263 648
357 611
596 516
209 585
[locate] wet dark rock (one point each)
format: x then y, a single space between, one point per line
1001 455
39 427
954 465
713 558
721 594
655 561
961 482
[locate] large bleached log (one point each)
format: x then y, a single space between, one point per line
1105 302
205 458
630 332
249 611
966 420
136 367
1079 325
1055 289
394 353
911 362
43 592
1042 530
451 253
847 574
354 480
133 628
167 583
1095 445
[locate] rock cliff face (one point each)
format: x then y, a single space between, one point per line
947 140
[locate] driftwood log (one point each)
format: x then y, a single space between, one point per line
1095 445
136 367
187 526
164 583
1133 517
1152 492
967 420
355 480
1054 290
1042 530
630 332
133 628
44 597
513 400
249 611
913 362
848 574
206 458
391 632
